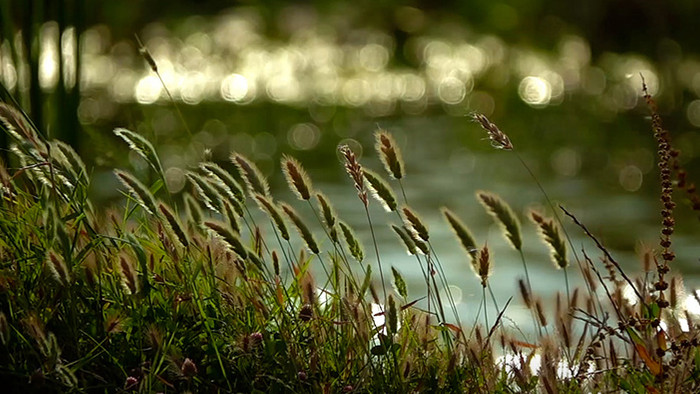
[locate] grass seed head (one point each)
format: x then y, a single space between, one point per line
354 169
380 190
499 139
482 265
297 178
414 224
304 231
405 238
502 213
354 245
233 189
173 223
269 207
58 268
129 275
228 237
462 232
252 176
389 153
138 191
550 234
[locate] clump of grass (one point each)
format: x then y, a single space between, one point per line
144 299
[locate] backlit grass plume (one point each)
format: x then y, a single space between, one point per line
499 139
329 216
463 234
59 269
252 176
482 265
173 223
228 237
380 190
234 190
207 192
267 206
354 245
406 239
304 231
503 215
353 168
414 224
549 232
142 146
138 191
389 153
297 178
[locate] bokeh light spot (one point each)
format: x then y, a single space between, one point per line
693 113
236 88
175 179
535 91
566 161
631 178
303 136
148 90
452 90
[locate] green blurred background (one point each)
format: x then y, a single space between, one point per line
561 78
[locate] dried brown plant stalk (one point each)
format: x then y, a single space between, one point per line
667 158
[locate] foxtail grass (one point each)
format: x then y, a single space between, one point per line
254 179
96 299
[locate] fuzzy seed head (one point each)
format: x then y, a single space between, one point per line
482 265
414 224
389 153
463 234
353 168
188 368
252 176
503 215
499 139
138 191
59 269
380 190
297 178
551 236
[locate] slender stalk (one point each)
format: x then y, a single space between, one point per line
376 251
486 313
